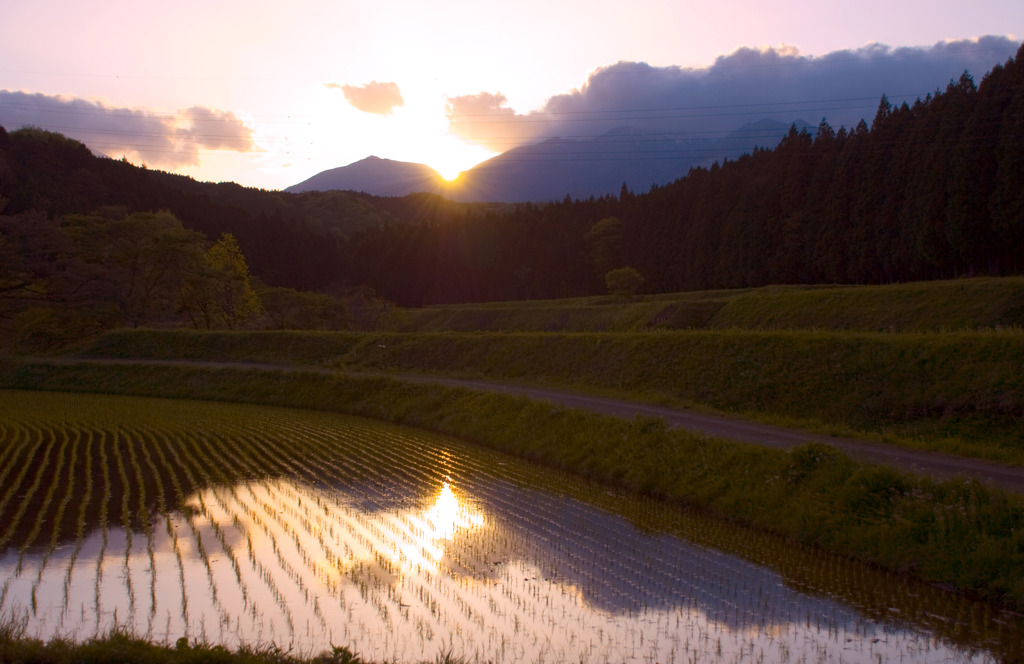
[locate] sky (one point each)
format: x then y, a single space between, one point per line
268 93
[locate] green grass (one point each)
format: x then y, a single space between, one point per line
965 304
961 392
588 315
962 304
956 532
279 347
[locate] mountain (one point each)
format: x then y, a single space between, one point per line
558 167
380 177
926 191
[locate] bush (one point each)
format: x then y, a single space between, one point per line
623 283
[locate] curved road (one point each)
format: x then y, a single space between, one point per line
936 464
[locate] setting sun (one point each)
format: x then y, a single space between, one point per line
450 156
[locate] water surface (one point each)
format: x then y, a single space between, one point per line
233 525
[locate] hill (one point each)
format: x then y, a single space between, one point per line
380 177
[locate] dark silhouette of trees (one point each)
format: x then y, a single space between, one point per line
933 189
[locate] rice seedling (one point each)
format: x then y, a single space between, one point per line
305 530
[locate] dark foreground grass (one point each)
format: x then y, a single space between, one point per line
122 647
960 533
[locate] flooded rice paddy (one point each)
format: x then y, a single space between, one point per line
237 524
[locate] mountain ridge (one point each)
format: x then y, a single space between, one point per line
377 176
557 167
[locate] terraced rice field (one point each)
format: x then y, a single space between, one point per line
232 524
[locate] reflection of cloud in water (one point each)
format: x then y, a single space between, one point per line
620 570
482 566
359 544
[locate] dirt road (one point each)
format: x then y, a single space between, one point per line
936 464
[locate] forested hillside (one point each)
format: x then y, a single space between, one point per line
928 191
287 240
933 190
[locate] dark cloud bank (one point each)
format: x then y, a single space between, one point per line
641 125
738 89
160 139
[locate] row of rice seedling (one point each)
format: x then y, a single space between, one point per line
55 526
882 585
893 519
258 525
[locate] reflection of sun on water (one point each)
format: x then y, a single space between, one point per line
448 515
445 519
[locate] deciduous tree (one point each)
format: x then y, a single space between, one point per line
624 282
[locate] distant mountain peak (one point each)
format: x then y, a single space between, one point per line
557 167
377 176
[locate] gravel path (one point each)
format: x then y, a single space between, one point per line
936 464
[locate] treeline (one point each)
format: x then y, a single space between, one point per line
289 240
62 280
926 191
932 190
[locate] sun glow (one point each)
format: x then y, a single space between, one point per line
450 156
425 533
449 516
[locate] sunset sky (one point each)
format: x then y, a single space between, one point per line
268 93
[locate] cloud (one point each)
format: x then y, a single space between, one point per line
740 88
483 118
160 139
374 97
214 130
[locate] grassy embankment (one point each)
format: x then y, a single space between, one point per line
965 304
958 533
952 390
959 392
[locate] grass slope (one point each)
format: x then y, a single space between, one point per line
963 304
957 392
956 532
